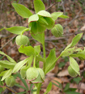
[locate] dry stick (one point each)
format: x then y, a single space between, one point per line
8 42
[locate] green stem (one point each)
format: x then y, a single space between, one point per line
38 88
34 62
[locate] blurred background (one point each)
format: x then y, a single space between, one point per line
75 24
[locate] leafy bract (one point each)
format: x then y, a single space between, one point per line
33 18
8 57
74 41
7 64
38 5
28 50
36 27
17 29
6 74
55 15
37 49
39 37
44 13
74 65
50 61
20 64
64 16
22 10
49 87
50 22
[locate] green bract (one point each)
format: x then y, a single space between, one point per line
1 68
10 81
57 30
22 40
23 72
72 72
35 75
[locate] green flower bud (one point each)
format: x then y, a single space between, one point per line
22 40
10 81
23 72
57 30
72 72
35 75
1 68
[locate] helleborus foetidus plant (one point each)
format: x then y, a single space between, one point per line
37 24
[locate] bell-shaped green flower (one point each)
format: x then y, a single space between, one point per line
10 81
72 72
57 30
22 40
40 21
35 75
1 68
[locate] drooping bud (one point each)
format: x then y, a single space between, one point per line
22 40
10 81
72 72
23 72
57 30
35 75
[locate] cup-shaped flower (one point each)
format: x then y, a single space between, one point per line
1 68
40 21
35 75
72 72
57 30
22 40
10 81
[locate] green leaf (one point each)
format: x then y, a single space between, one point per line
39 37
61 64
27 50
50 61
17 29
74 65
55 15
49 87
38 5
6 74
68 52
64 16
71 92
37 27
1 89
66 87
44 13
75 40
20 64
20 86
50 22
33 18
24 82
77 80
21 92
22 10
37 50
7 64
8 57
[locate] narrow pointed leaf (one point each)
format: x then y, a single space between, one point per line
22 10
64 16
20 64
38 3
9 58
50 61
7 74
17 29
55 15
7 64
